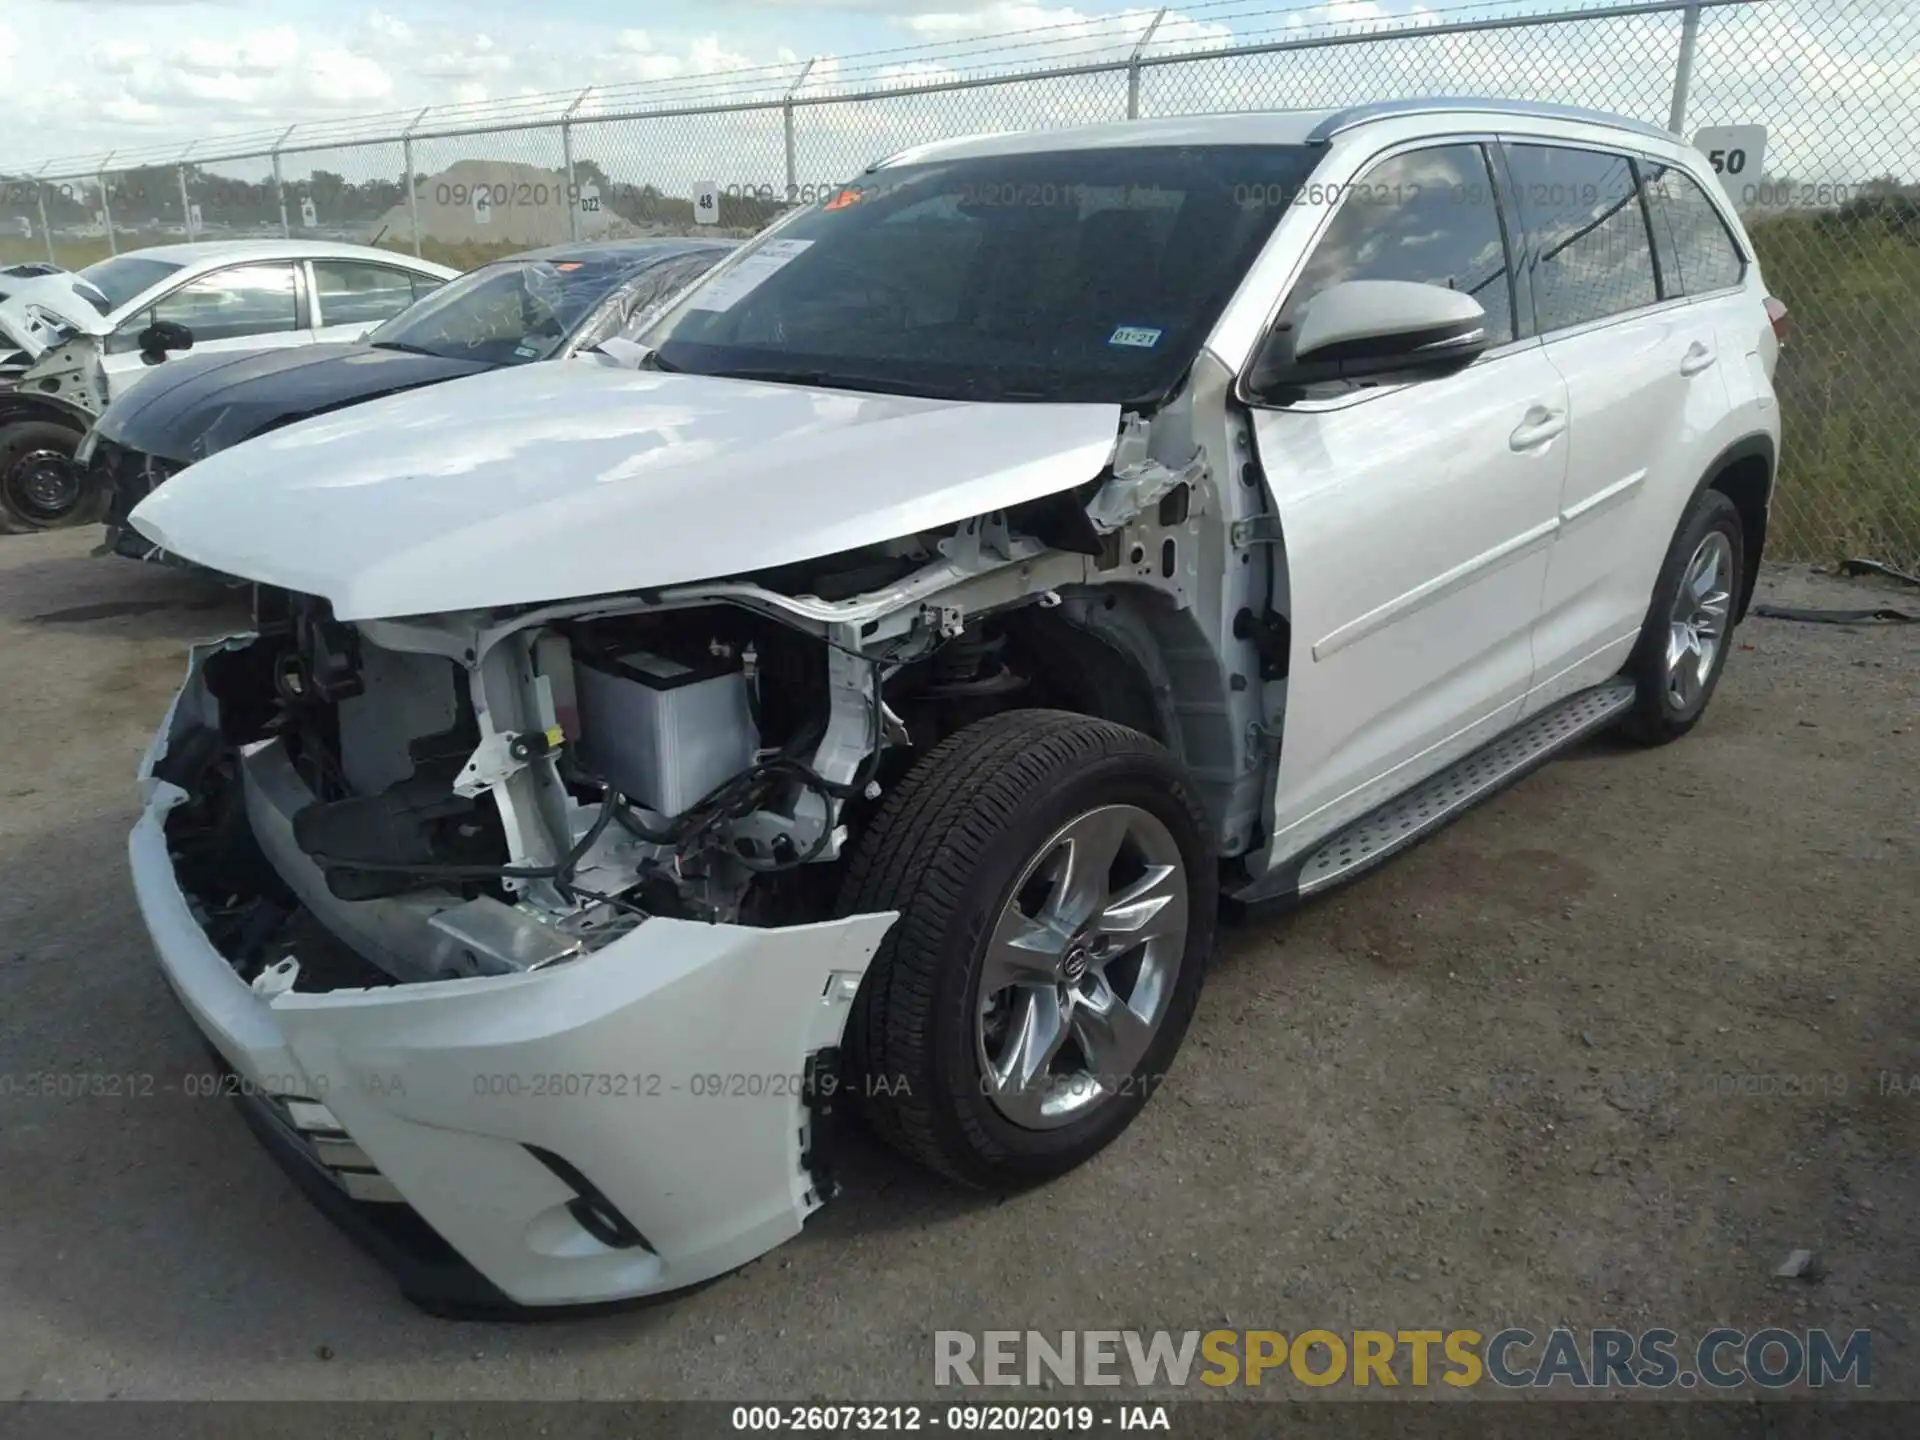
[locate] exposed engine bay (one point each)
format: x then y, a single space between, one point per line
485 793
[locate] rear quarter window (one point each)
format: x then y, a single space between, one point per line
1697 252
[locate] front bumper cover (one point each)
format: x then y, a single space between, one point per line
627 1124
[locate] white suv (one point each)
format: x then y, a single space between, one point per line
870 688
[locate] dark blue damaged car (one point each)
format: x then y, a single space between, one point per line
550 304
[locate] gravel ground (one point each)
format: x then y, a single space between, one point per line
1601 1053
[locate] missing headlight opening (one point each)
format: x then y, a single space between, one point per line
398 801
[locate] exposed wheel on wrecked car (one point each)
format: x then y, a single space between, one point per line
1056 891
41 488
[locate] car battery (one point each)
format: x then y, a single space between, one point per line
662 732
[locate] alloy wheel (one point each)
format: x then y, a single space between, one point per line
1081 966
1697 623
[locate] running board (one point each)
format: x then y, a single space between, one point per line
1417 813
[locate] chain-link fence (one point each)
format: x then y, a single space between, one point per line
1833 202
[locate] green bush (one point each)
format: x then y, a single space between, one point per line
1849 380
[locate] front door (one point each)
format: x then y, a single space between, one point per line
1418 518
243 307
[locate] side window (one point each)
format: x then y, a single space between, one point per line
424 285
125 338
229 304
1592 256
354 293
1430 216
1695 250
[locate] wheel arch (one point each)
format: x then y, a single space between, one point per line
17 406
1744 472
1093 671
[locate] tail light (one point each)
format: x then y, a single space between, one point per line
1777 317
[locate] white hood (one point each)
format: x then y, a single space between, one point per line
552 482
56 295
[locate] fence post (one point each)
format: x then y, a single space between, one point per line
413 198
1133 64
566 152
786 118
46 230
106 206
280 184
186 205
1683 72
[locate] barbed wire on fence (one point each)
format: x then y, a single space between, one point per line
1834 214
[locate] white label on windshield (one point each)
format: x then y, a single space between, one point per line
1143 337
748 275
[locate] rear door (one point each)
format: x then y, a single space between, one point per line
1701 260
351 297
241 307
1417 518
1644 376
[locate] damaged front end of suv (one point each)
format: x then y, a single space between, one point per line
863 698
531 930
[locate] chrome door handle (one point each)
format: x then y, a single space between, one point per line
1539 426
1698 357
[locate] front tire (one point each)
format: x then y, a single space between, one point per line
1057 893
1689 628
41 488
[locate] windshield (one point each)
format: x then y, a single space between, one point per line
117 280
509 313
1075 275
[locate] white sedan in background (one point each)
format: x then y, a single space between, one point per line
70 342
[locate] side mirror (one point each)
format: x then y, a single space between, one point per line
1384 331
160 337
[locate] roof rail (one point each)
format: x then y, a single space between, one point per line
1452 104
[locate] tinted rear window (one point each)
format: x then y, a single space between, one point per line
1592 256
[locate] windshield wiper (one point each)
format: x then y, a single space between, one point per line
405 348
833 380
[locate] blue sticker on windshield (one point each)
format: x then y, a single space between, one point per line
526 350
1138 336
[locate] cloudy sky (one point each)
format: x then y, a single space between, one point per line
84 75
1837 78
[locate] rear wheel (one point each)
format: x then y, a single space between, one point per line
1056 890
1689 629
41 488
